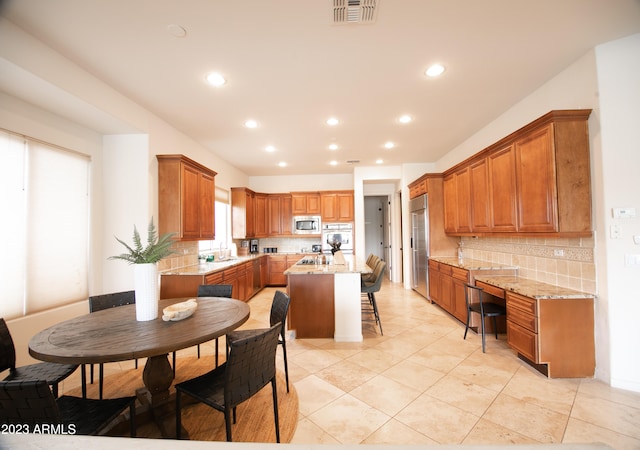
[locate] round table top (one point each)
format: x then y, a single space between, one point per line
114 334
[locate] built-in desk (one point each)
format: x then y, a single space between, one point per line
551 327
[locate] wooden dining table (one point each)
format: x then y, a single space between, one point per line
114 334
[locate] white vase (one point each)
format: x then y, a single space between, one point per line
147 291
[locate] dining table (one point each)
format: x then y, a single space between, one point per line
114 334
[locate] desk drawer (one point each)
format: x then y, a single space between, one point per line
525 304
522 318
491 289
523 341
460 274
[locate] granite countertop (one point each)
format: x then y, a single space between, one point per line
206 268
353 265
470 264
532 288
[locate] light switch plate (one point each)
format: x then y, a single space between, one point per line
624 213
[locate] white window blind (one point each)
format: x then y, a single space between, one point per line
47 264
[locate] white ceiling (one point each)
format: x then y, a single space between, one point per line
290 68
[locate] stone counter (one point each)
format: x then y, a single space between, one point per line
531 288
352 265
470 264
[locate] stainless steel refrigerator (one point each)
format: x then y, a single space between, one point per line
419 244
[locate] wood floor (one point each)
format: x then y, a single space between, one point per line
254 417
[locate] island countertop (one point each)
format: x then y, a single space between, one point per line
352 265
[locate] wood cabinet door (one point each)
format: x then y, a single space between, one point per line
250 213
446 292
450 204
190 202
207 206
261 215
434 285
298 204
536 182
463 200
313 204
480 203
345 206
502 189
273 215
286 217
329 207
458 302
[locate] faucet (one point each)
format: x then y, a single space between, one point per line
222 253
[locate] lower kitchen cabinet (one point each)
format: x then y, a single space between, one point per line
554 335
446 288
277 265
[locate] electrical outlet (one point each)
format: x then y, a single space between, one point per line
616 232
631 260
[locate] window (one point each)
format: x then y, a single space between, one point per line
45 203
223 223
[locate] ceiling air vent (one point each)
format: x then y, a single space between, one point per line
354 11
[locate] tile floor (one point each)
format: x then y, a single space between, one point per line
421 383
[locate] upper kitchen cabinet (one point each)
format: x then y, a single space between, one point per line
305 203
279 218
186 195
337 206
243 213
535 181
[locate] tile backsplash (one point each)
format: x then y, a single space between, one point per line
186 255
566 262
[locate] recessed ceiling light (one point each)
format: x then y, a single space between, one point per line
434 70
282 164
389 144
270 148
334 163
333 147
215 79
405 119
379 161
251 123
332 121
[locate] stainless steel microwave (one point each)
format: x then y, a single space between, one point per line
306 225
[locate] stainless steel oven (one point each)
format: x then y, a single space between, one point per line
332 233
306 224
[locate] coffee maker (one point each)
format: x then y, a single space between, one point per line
253 246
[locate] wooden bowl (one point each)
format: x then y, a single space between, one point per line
179 311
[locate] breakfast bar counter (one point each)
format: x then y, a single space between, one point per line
325 299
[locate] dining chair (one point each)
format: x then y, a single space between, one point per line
278 314
476 304
99 303
214 290
31 403
370 306
251 366
51 373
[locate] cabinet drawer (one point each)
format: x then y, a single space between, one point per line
523 341
491 289
460 274
435 265
522 318
525 304
446 269
230 273
213 278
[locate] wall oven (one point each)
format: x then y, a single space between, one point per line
306 225
333 233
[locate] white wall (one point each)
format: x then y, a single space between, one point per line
618 162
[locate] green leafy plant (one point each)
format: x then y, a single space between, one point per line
157 247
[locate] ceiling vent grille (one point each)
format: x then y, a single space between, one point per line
354 11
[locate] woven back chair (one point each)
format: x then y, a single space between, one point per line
370 289
214 290
279 309
99 303
476 304
31 404
51 373
250 367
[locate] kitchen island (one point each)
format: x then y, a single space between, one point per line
325 299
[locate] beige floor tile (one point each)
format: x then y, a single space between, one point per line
396 433
463 394
307 431
437 420
337 419
436 358
555 394
414 375
346 375
607 414
316 359
536 422
490 371
579 431
385 394
486 432
375 360
596 388
314 394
